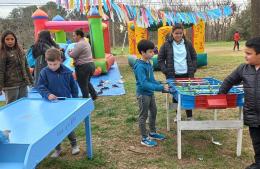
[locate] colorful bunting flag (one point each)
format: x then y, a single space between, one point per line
145 17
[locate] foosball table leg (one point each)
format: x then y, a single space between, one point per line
167 112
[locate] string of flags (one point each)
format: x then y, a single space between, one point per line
144 17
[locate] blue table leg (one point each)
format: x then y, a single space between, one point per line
88 137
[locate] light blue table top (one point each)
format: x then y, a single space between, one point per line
29 120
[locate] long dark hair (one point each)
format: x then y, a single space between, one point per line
44 37
4 47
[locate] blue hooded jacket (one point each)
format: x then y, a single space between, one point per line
145 82
60 83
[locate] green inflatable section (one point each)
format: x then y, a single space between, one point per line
155 62
202 59
102 64
60 37
131 60
97 37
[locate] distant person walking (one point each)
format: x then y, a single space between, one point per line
236 40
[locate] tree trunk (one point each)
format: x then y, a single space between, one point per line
113 35
255 6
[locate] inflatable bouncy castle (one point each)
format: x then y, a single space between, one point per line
97 29
135 34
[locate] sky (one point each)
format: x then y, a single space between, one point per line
6 6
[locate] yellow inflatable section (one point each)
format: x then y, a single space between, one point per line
199 36
131 38
140 34
162 33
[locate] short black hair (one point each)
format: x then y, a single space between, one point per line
254 43
79 32
145 45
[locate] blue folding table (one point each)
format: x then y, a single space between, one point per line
37 126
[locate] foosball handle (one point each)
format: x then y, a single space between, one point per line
165 91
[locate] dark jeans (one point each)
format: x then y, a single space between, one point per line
146 104
72 138
255 137
84 73
236 44
188 112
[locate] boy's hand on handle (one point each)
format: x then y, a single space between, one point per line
52 97
165 89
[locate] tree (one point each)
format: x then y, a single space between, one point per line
255 14
243 24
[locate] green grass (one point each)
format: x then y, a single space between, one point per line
223 44
115 129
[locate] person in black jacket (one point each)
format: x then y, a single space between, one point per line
43 43
249 75
177 58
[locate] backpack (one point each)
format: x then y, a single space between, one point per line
30 57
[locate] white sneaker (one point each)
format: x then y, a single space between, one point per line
56 154
175 120
190 119
75 150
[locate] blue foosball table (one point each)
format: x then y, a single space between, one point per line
202 93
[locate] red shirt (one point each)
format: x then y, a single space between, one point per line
236 37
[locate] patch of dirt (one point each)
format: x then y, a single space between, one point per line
121 60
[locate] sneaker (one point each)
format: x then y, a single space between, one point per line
148 142
75 150
56 154
190 119
175 120
254 166
156 136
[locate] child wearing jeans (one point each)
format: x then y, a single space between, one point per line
249 75
145 87
56 80
14 71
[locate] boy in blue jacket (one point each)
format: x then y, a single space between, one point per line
145 87
56 80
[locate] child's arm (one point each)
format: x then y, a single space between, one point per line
42 85
74 53
28 72
142 78
74 87
153 79
233 79
193 57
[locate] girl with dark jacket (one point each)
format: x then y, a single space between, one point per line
177 58
14 71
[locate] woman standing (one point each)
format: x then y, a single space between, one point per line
14 71
84 65
177 57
